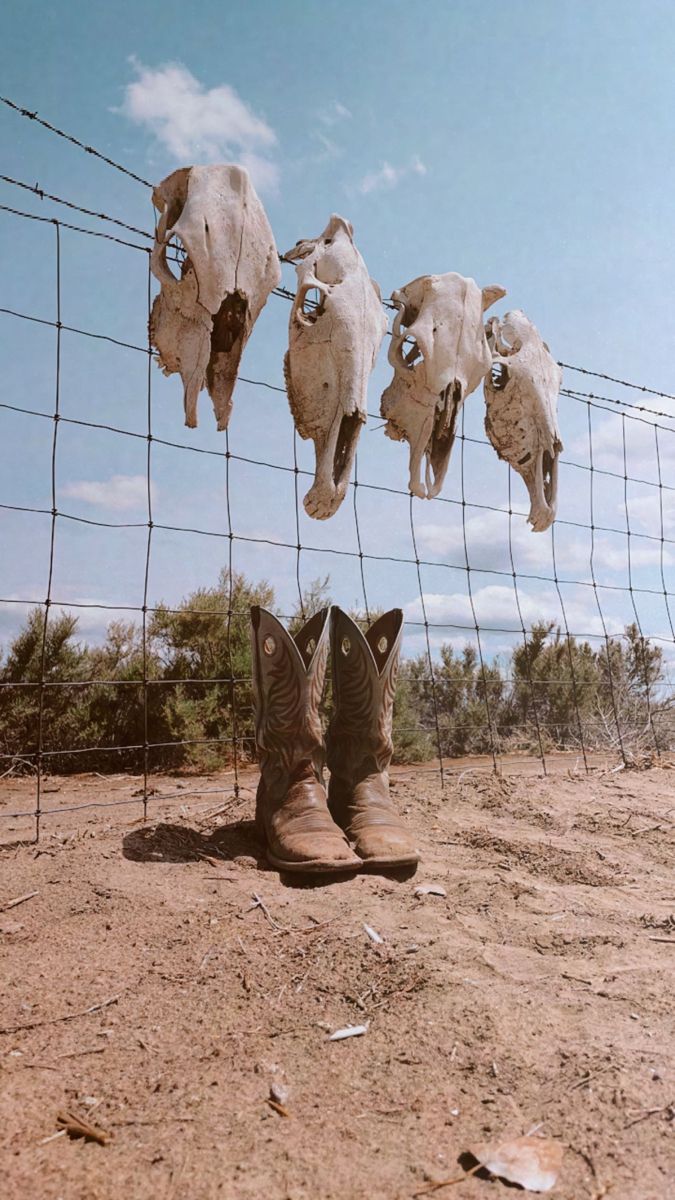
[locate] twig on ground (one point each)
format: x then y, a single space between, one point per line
76 1126
18 900
66 1016
651 1112
78 1053
278 1108
52 1137
151 1121
259 903
435 1187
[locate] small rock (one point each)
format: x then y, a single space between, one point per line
279 1093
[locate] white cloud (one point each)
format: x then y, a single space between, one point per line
641 458
196 124
120 492
645 513
335 113
487 538
389 177
496 607
329 149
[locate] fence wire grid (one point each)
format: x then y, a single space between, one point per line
626 423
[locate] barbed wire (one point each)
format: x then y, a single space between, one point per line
69 137
287 294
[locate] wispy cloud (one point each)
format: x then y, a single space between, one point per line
120 492
199 124
335 113
329 149
491 541
496 608
388 177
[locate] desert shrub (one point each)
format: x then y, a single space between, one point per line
198 697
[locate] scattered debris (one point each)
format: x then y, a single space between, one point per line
374 935
259 903
9 927
86 1050
79 1127
66 1016
669 1109
533 1162
278 1108
430 889
348 1032
279 1093
52 1137
18 900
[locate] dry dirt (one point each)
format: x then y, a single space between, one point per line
538 992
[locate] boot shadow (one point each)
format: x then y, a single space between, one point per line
168 843
304 880
398 874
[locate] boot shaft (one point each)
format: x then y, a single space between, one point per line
364 671
288 679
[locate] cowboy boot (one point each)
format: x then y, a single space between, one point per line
291 806
359 741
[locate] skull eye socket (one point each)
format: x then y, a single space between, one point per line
313 304
269 646
345 646
412 354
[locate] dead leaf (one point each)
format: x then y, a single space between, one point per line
533 1162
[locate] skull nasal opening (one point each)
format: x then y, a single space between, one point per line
349 430
229 323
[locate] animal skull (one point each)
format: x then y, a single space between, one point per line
521 420
333 345
442 317
200 323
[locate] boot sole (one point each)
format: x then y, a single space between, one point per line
410 860
315 866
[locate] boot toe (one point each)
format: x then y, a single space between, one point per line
386 846
319 851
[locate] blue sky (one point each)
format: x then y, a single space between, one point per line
528 144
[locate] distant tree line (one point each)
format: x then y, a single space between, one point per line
551 690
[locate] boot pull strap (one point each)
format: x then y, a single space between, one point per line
384 635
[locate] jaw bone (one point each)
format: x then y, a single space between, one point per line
333 344
200 323
439 354
521 395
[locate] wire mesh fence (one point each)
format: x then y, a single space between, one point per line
474 582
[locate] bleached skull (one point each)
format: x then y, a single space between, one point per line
521 420
439 355
336 329
200 323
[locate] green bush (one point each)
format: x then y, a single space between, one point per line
198 702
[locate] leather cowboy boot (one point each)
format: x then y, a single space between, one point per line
359 738
291 806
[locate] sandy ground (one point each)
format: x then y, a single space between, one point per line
162 980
